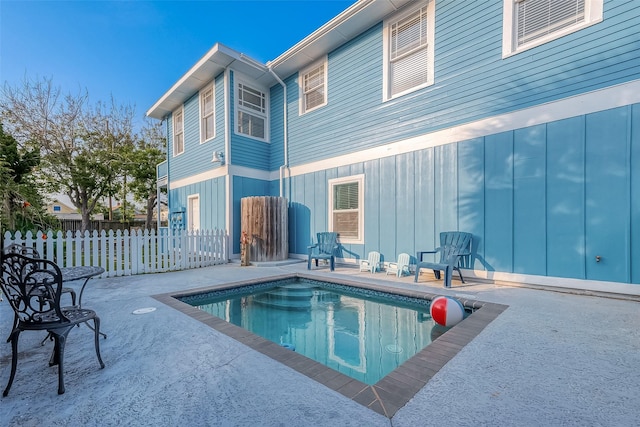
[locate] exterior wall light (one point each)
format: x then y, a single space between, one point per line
218 157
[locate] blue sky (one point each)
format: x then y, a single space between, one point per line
136 50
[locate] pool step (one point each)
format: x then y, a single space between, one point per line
292 297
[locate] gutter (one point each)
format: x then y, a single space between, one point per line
285 134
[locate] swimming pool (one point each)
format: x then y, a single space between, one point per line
361 334
390 393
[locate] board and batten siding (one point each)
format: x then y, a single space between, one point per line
544 200
212 193
472 80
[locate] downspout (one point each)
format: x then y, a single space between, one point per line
227 147
285 135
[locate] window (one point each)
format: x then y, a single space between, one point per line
207 123
530 23
346 208
313 87
178 132
252 112
408 51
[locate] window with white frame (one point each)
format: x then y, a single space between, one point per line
530 23
178 132
346 208
313 86
207 121
408 50
252 112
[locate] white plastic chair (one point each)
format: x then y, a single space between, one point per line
401 266
372 263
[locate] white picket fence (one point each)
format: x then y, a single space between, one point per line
122 253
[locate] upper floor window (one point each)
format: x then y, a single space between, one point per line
252 119
207 122
530 23
346 208
313 87
178 132
408 50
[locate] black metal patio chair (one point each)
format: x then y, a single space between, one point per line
33 288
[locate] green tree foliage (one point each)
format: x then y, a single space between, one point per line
147 152
23 207
78 145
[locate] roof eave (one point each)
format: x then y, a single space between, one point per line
339 30
205 70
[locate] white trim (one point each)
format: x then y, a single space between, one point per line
593 14
324 62
211 86
348 179
599 100
603 99
194 179
556 282
225 170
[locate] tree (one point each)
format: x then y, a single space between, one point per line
22 204
78 145
149 151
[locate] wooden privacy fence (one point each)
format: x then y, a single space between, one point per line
124 253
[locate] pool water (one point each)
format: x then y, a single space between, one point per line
364 335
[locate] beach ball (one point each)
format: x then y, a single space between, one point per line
446 311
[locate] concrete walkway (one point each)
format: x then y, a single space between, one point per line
550 359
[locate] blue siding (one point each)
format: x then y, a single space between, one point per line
498 231
405 202
246 151
196 157
276 149
471 206
212 202
634 192
472 81
529 204
424 190
607 195
565 198
542 200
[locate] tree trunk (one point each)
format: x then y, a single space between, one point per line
151 203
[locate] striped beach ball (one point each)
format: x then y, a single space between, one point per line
446 311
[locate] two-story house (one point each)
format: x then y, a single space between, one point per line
515 120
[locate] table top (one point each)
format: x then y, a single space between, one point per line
81 272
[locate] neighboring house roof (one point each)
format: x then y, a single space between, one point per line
348 24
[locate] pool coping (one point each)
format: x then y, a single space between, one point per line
389 394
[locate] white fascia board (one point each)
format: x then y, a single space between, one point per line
339 30
205 70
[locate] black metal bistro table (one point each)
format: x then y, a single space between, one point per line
71 274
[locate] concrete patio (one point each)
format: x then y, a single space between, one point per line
552 358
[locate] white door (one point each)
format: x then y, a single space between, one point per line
193 214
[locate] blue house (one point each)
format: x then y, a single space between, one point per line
515 120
